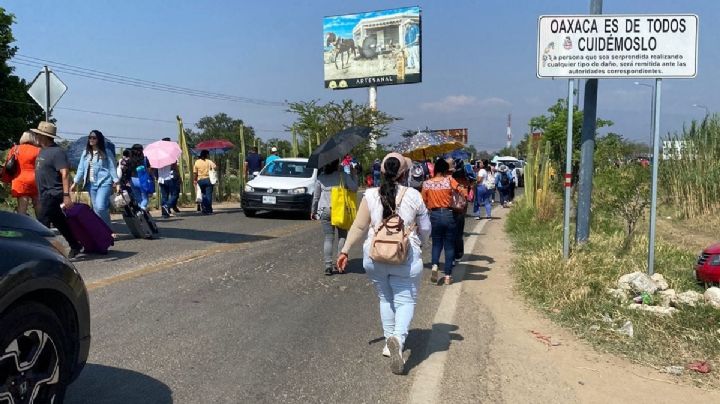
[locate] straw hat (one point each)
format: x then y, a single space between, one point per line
46 129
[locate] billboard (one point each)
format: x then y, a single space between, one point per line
461 135
375 48
617 46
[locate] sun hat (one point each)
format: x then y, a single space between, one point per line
403 163
46 129
273 149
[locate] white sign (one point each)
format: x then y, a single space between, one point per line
38 90
617 46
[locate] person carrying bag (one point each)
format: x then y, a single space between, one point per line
396 222
334 205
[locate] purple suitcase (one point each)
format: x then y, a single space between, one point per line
89 229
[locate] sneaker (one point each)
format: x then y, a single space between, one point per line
478 218
397 364
488 218
175 209
165 212
448 280
386 351
328 271
434 274
73 252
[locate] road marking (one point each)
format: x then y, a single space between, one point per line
429 373
176 262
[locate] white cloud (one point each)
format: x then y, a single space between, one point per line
457 102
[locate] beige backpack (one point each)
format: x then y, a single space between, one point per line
391 242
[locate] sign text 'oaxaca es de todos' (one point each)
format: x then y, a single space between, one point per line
617 46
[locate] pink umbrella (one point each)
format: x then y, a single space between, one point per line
162 153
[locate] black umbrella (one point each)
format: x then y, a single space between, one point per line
338 145
76 149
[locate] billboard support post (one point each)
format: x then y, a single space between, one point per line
372 103
568 170
655 163
47 94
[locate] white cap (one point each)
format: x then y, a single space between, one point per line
273 149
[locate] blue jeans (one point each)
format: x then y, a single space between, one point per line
504 195
206 189
168 193
100 198
397 288
482 198
443 234
376 178
141 197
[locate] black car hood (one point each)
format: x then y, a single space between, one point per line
13 221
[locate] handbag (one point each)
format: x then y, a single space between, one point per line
343 206
471 194
198 194
458 202
11 166
212 173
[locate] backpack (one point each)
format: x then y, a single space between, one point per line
416 176
391 242
504 180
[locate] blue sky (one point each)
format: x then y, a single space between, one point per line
478 64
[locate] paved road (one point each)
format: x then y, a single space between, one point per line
226 309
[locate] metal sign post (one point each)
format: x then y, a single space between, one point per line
568 170
655 163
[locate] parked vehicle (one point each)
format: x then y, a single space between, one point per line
707 269
44 314
286 184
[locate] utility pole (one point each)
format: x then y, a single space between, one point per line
372 102
587 150
242 160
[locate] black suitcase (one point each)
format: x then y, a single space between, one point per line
140 223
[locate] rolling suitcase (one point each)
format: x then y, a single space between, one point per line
89 229
139 222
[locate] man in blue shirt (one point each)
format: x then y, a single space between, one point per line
272 157
253 162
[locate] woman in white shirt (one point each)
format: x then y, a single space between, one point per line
485 189
396 285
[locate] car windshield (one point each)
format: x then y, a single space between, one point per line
283 168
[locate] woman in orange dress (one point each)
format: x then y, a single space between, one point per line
24 187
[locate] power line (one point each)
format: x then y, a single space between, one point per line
135 82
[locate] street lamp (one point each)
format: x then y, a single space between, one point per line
707 111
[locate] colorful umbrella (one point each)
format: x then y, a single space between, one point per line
214 146
76 149
162 153
338 145
425 145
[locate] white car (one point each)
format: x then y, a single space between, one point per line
286 184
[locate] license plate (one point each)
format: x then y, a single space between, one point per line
269 200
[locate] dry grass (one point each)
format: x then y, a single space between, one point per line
574 293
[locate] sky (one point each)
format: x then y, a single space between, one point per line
478 61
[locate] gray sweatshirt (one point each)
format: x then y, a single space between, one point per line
324 185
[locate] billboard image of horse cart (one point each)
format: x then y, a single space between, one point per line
375 48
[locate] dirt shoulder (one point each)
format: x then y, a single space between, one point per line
496 358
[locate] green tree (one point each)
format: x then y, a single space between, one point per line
18 111
554 128
222 126
315 123
408 133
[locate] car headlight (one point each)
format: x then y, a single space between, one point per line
715 261
300 190
248 188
